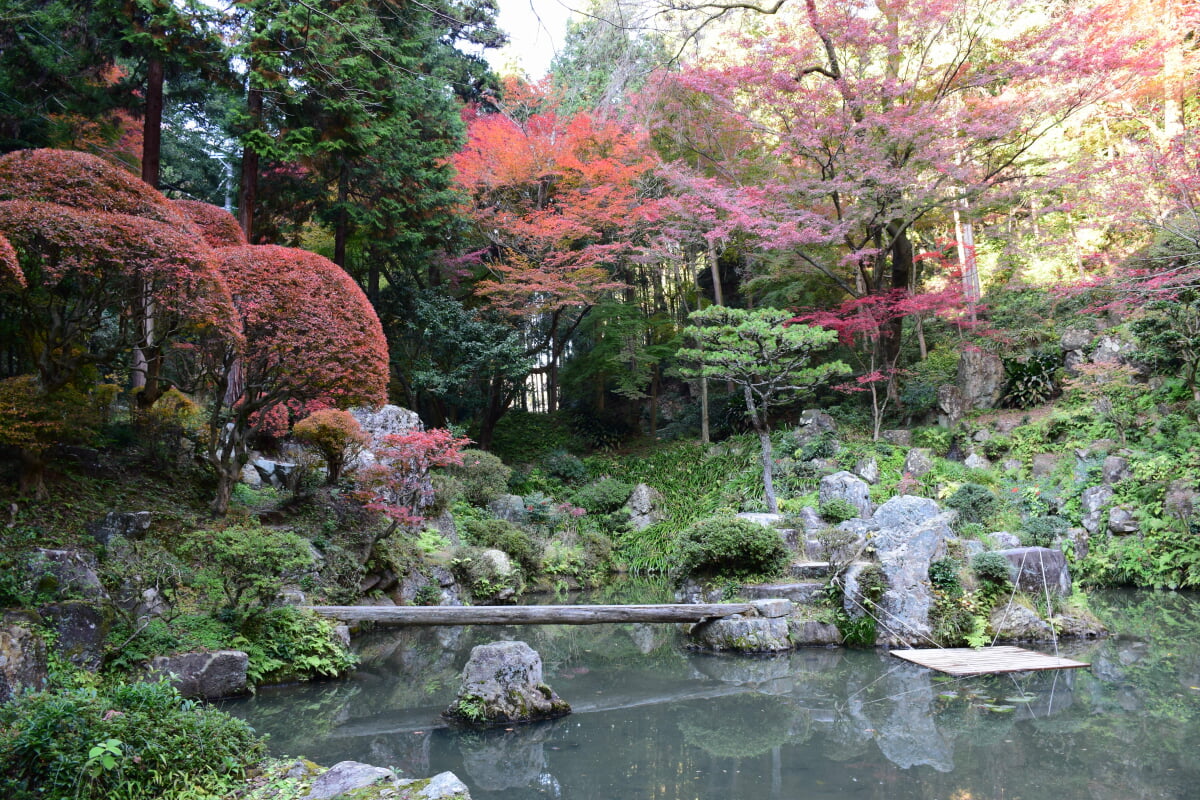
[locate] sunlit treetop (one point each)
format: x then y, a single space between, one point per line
81 181
217 225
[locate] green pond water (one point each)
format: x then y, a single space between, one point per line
653 720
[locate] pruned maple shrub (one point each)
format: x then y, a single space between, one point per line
216 225
83 181
310 335
336 435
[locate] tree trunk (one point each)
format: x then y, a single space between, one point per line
758 419
248 197
33 474
704 434
152 123
341 230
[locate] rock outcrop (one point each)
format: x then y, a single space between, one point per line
211 676
22 654
644 507
502 683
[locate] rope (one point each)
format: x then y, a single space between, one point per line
1013 594
880 622
1049 607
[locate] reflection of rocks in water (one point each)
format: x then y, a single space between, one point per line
897 711
409 752
648 638
742 726
767 674
907 736
498 760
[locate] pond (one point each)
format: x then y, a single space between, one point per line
653 720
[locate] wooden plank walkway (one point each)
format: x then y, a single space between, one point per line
967 661
531 615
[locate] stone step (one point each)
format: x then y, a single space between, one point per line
799 592
810 570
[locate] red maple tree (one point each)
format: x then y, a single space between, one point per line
559 202
311 335
218 226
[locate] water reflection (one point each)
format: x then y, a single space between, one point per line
655 721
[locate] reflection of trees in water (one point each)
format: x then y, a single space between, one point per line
744 726
1128 727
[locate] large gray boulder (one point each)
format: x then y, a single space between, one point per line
1092 503
743 635
811 633
980 379
952 404
1115 470
918 462
22 654
508 507
868 470
64 574
906 511
211 676
132 525
847 486
502 682
345 777
812 423
1180 499
644 506
1015 623
1038 569
80 628
379 423
1121 521
913 531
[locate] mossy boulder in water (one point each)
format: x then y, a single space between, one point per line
502 683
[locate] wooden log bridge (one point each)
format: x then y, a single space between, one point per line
548 615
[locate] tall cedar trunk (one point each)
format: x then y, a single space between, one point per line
654 403
152 123
140 377
248 197
758 417
341 230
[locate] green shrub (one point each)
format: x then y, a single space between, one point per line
943 576
501 535
603 497
1042 531
134 741
839 509
600 430
565 467
992 568
482 476
287 644
727 547
974 503
936 438
250 563
823 445
1031 379
522 437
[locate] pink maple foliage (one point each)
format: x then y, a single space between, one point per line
397 484
217 225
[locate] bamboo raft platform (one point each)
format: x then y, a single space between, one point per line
531 615
960 661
